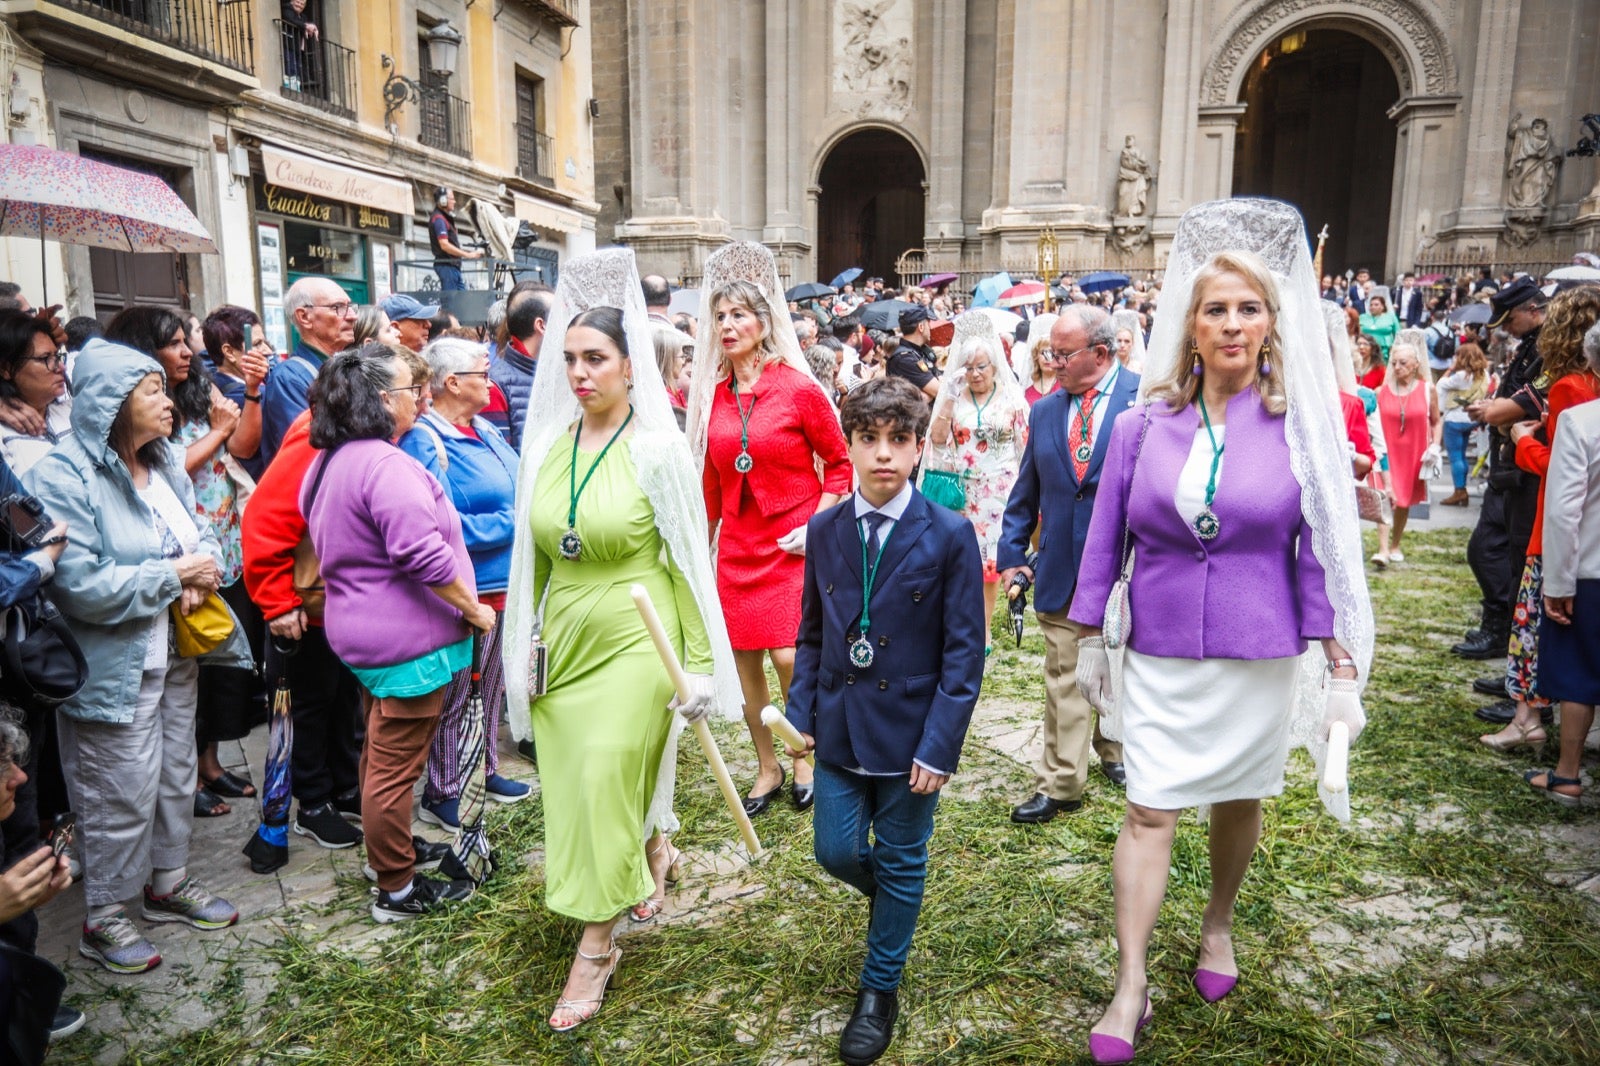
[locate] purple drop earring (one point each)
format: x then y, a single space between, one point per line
1196 369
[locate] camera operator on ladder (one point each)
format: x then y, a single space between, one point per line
447 250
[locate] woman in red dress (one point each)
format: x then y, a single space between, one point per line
762 428
1411 428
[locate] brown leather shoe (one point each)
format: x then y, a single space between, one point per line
1457 498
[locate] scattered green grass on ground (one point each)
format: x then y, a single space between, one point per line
1424 933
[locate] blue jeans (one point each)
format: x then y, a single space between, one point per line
889 870
1455 446
449 278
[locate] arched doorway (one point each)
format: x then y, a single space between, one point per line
1315 133
870 209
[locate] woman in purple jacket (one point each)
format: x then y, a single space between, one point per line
1231 532
390 546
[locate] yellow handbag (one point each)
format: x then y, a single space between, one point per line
204 628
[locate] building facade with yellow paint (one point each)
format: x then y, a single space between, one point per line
309 151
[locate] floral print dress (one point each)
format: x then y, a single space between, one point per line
215 499
986 443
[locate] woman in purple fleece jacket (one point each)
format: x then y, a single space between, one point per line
401 603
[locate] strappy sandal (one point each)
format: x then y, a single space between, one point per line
646 910
577 1006
1552 782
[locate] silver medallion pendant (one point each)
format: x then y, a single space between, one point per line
861 652
1206 526
1085 452
743 463
571 544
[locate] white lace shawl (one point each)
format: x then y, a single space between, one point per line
1314 425
1129 320
737 261
667 477
1008 400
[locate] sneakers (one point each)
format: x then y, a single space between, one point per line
324 825
190 902
446 814
428 857
505 790
116 944
68 1020
349 806
427 894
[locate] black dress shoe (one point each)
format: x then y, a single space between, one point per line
1482 646
1497 713
1115 773
1494 685
868 1032
1042 808
754 805
803 796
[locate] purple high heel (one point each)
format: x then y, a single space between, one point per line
1108 1050
1212 985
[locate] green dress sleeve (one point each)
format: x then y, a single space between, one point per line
696 642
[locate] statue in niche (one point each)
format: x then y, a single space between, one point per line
1531 161
1133 180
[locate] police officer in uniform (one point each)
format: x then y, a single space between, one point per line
914 360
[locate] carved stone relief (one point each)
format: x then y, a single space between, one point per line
873 56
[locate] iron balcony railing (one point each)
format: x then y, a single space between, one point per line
220 32
561 12
446 122
317 71
534 152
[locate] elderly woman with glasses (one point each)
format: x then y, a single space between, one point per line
978 433
32 372
391 547
478 470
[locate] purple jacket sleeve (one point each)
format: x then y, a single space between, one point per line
404 502
1101 551
1316 613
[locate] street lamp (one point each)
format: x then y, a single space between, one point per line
444 48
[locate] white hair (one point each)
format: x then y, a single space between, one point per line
1591 347
989 346
451 355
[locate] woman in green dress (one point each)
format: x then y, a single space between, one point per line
606 500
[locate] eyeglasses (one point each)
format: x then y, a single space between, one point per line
414 390
340 309
1061 359
471 373
54 361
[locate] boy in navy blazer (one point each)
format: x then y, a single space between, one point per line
887 668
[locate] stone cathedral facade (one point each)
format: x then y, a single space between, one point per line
848 132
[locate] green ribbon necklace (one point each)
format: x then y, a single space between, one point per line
861 648
1206 525
572 544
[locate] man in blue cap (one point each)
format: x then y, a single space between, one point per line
411 317
914 360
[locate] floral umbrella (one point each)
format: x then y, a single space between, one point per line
63 197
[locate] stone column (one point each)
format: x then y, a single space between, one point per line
785 182
1488 112
1176 162
1211 175
1426 138
942 220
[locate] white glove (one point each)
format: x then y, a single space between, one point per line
1344 705
794 541
1094 673
702 698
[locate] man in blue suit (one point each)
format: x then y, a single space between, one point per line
1055 490
887 668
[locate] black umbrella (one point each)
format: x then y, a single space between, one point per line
810 290
470 856
885 314
268 848
1473 314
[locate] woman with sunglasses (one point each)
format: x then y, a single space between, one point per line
32 373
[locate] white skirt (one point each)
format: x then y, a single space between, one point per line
1202 731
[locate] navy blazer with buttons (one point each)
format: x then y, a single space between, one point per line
1047 492
914 702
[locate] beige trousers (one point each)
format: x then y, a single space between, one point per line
1063 766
